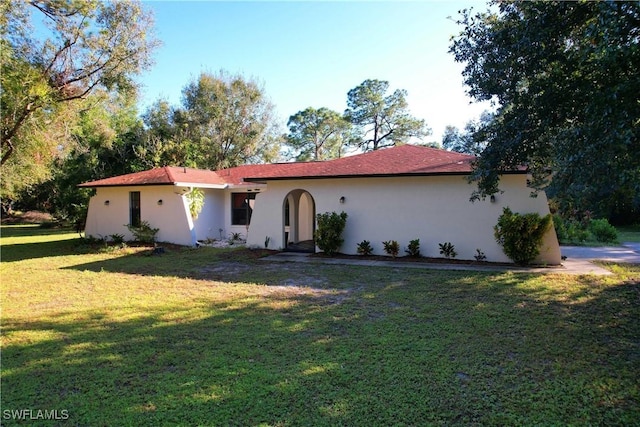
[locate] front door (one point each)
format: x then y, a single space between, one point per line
299 221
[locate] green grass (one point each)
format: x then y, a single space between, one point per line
220 337
630 233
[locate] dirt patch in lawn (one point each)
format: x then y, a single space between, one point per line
291 275
287 280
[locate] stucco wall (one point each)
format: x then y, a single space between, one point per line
171 217
211 218
229 229
433 209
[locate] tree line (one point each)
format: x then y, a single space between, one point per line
70 115
562 79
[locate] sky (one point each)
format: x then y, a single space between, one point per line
310 54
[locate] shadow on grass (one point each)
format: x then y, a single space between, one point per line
228 264
67 244
329 345
31 230
381 347
25 251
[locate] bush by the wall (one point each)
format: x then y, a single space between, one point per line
391 247
480 256
413 249
520 235
365 248
328 235
144 232
448 249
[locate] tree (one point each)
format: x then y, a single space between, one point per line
564 78
106 135
471 141
318 134
89 45
227 121
381 120
163 142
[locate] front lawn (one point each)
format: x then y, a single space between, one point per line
116 336
629 233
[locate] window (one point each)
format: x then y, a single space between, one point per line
134 208
241 208
286 213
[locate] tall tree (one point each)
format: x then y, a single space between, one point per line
228 121
105 136
87 44
161 143
470 140
317 134
382 120
564 77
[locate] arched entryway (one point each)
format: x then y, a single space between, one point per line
299 211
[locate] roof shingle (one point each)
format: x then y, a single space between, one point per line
404 160
168 175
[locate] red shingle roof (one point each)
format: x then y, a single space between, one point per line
404 160
167 175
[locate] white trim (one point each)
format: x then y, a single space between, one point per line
200 185
249 187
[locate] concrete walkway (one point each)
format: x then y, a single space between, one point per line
578 261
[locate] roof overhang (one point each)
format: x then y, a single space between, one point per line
199 185
249 186
396 175
89 185
161 184
264 179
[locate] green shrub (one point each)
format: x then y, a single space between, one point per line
93 240
520 235
480 256
577 232
560 225
448 250
603 231
116 238
328 235
235 236
571 231
574 230
144 232
391 247
364 248
413 249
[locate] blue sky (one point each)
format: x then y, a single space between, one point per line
310 54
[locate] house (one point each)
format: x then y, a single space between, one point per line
401 193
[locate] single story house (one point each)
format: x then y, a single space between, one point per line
402 193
